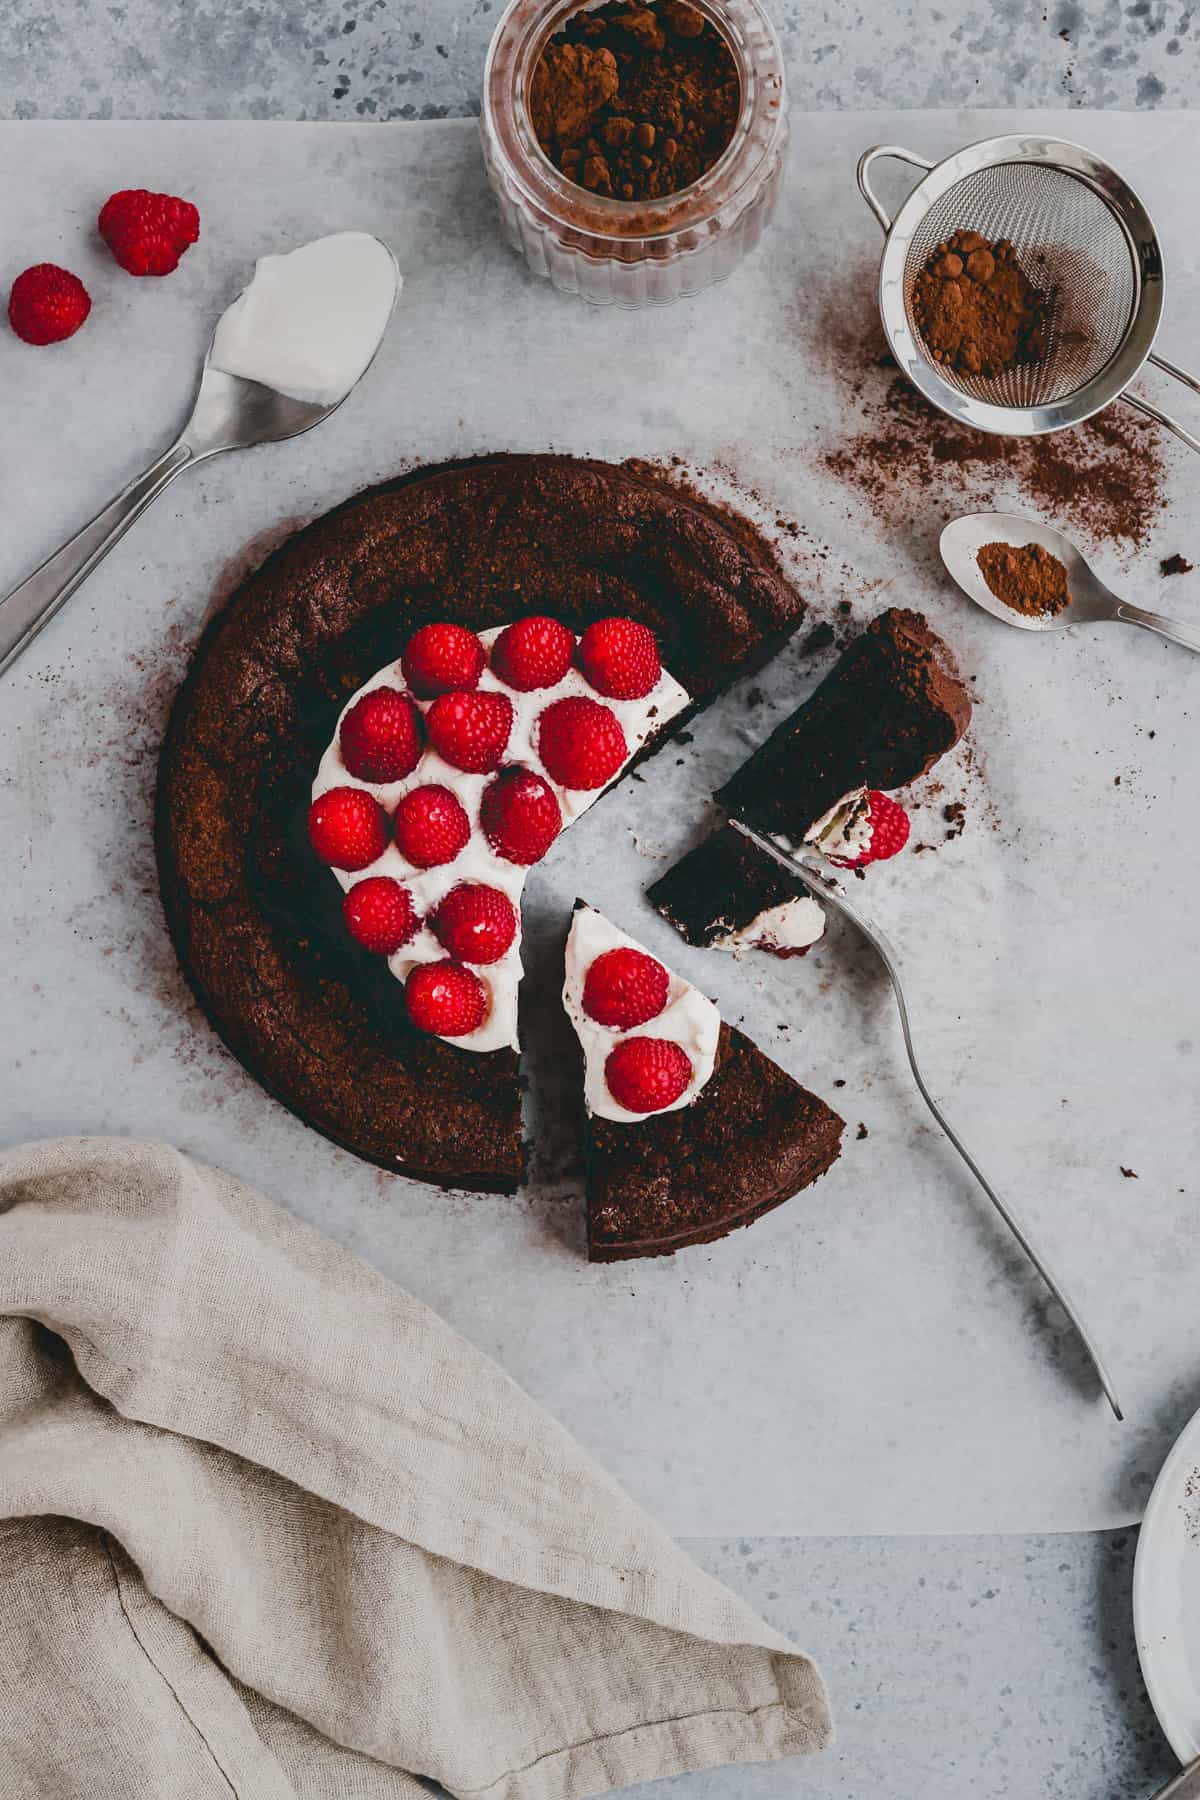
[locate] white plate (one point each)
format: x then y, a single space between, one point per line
1166 1595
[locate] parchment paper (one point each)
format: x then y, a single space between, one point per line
871 1357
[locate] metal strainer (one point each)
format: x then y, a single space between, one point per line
1079 231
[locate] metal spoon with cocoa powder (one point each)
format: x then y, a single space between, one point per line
1089 601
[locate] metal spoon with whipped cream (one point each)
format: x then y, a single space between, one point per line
283 357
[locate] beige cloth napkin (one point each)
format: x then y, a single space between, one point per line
269 1528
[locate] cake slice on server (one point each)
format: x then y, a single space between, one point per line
824 780
691 1130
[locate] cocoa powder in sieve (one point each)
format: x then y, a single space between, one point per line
977 310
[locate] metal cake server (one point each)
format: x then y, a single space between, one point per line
229 413
823 885
1091 601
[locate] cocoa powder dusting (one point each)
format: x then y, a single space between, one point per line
1026 577
1105 477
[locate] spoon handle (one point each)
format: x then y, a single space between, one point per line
34 602
1187 635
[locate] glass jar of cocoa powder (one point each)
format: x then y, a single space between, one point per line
645 249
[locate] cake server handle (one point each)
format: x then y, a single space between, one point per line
825 889
33 603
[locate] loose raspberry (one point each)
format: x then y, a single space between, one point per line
431 826
475 923
47 304
470 731
581 742
347 828
644 1074
445 998
520 816
148 233
381 736
442 659
625 987
620 658
380 914
533 653
890 827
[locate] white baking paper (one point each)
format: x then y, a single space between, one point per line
872 1357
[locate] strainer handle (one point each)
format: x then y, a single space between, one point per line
1156 412
898 154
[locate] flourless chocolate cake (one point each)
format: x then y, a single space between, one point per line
691 1130
255 918
890 707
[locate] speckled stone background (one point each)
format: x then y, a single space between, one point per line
421 59
989 1666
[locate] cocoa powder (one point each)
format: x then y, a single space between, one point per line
1026 577
976 309
635 102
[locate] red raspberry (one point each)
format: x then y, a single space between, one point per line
347 828
431 826
442 659
644 1074
445 998
47 304
470 731
890 827
381 736
475 923
620 658
520 816
379 914
533 653
581 742
625 987
148 233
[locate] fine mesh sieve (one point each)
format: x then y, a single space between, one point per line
1079 233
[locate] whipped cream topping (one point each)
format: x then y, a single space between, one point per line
689 1019
311 320
791 926
845 830
477 861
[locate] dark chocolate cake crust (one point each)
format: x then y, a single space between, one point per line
750 1139
255 919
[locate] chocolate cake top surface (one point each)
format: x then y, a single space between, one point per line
884 714
255 919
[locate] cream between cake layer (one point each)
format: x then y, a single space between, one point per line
844 831
477 861
792 925
689 1019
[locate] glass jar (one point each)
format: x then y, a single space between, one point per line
633 252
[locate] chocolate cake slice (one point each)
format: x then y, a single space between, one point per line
256 921
730 1136
728 894
890 707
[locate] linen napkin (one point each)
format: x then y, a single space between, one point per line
269 1528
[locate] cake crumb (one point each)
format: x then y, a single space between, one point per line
1175 565
1129 1174
862 1132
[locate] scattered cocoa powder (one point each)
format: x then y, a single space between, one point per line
1105 478
1027 577
635 102
977 310
1175 565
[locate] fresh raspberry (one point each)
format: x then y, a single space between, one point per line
148 233
581 742
890 827
445 998
475 923
47 304
520 816
380 914
381 736
644 1074
470 731
442 659
533 653
431 826
625 987
620 658
347 828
